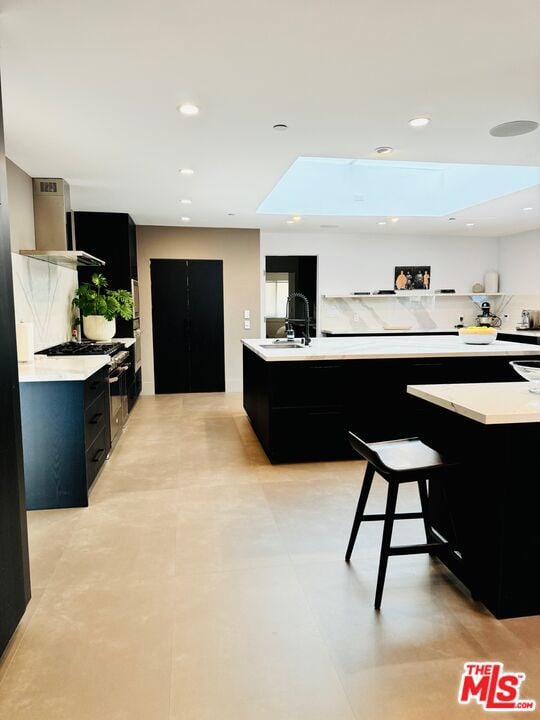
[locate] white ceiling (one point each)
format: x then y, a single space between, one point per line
91 89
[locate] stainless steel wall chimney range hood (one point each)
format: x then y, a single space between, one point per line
54 227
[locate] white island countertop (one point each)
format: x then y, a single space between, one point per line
369 348
487 403
54 369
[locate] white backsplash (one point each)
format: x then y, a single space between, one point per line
43 293
422 312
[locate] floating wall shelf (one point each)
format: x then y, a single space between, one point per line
414 294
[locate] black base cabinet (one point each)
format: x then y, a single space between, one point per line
66 439
302 410
488 510
516 337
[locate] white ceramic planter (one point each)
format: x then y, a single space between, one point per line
96 327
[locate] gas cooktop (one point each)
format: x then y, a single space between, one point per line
82 348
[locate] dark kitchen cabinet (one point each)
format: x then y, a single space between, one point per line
112 237
301 411
66 439
14 566
517 337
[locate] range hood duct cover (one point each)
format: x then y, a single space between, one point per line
55 226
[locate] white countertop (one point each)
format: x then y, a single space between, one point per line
487 403
357 348
410 331
127 342
53 369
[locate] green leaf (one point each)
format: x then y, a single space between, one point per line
111 304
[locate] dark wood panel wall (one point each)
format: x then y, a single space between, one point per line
14 569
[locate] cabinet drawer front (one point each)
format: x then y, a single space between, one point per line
94 386
304 434
95 419
96 456
300 384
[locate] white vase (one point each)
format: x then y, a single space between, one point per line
96 327
491 282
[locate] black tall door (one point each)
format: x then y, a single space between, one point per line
206 340
14 572
187 319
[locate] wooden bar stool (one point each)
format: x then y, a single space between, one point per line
398 461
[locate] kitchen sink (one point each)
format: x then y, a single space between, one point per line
282 345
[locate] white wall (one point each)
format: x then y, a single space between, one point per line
349 263
43 293
240 252
519 262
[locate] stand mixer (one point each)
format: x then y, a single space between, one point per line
487 318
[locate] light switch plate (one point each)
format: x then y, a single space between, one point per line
247 324
247 314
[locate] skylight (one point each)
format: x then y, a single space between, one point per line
344 186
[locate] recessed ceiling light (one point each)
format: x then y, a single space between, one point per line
384 150
186 171
290 222
280 127
394 220
231 214
419 122
186 219
527 209
185 201
514 128
296 218
469 224
451 219
381 222
188 109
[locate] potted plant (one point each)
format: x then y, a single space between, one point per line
100 307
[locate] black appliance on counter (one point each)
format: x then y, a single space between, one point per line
117 376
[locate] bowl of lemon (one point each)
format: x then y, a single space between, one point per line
477 335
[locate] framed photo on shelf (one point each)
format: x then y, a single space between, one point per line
412 277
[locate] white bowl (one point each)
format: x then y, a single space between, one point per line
478 338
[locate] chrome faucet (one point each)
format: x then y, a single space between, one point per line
305 320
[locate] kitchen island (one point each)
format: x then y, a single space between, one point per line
488 509
302 401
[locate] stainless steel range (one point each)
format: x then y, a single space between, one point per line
118 366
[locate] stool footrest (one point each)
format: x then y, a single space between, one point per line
397 516
416 549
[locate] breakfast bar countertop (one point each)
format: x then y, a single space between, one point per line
487 403
367 348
